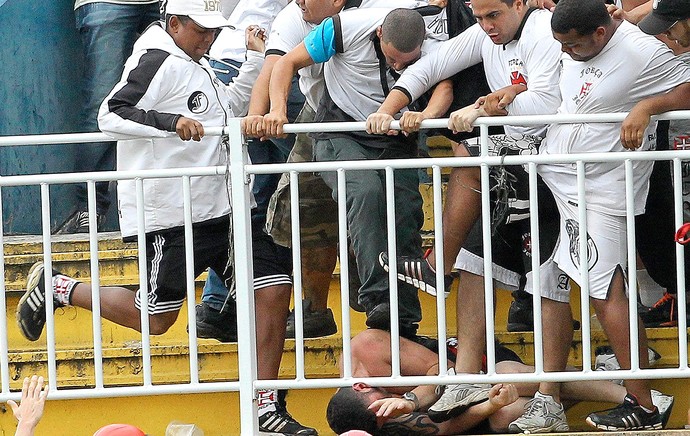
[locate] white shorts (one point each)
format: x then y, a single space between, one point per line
503 278
606 247
554 283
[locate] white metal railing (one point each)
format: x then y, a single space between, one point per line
239 173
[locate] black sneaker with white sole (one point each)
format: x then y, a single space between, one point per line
31 310
627 416
220 325
280 422
417 272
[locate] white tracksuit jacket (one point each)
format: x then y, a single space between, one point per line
160 83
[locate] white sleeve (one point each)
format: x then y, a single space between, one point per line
662 72
287 31
128 112
449 58
542 65
240 89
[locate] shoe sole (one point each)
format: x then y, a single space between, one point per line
311 334
203 332
556 429
518 327
442 416
666 414
32 280
611 428
447 413
419 284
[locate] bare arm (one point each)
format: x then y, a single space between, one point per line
252 124
500 396
440 101
636 122
632 11
279 88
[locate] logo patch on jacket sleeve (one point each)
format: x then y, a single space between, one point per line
197 102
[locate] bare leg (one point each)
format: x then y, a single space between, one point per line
613 315
461 210
317 272
599 390
471 324
272 307
117 305
557 323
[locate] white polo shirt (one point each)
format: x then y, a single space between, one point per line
289 30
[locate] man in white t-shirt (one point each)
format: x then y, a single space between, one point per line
607 66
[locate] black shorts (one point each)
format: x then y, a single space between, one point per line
511 242
165 262
502 354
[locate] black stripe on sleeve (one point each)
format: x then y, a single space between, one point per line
338 34
124 101
404 91
274 51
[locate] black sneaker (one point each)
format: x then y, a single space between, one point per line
317 324
520 314
280 422
379 316
78 222
214 324
664 313
31 310
627 416
417 272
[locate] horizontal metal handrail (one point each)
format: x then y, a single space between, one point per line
440 123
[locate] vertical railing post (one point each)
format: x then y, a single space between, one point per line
297 274
680 271
244 273
95 286
344 254
632 267
536 271
441 328
488 255
584 266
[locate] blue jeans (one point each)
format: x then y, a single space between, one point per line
274 151
108 32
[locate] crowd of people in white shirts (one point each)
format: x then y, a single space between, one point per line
488 58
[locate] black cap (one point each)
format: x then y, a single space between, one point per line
665 13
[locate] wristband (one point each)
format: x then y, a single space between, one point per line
411 396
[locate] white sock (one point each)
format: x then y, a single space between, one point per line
63 287
267 400
545 397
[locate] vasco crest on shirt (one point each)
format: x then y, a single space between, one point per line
197 102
